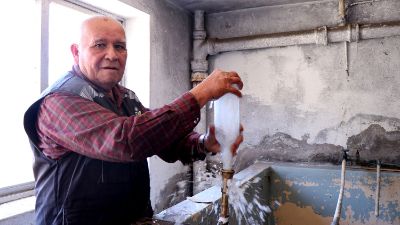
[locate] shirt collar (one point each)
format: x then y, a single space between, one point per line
117 91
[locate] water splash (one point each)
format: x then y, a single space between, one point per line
208 178
246 200
247 203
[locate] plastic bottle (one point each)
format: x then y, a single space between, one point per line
227 125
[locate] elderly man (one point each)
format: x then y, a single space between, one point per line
91 137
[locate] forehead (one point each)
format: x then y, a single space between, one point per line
104 29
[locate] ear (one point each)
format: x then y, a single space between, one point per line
75 53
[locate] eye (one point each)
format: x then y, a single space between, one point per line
120 47
100 45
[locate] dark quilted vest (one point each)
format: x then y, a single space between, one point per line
80 190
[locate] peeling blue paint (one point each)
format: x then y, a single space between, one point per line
316 187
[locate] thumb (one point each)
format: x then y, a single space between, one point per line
211 130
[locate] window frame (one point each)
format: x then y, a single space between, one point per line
44 31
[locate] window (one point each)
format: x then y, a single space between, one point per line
36 38
62 33
21 86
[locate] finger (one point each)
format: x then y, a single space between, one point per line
239 140
234 150
237 81
235 146
233 74
211 130
235 91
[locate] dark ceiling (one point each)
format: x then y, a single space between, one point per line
214 6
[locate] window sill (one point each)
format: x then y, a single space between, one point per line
17 207
16 200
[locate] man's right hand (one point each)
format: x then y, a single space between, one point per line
216 85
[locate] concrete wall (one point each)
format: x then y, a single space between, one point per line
170 52
305 103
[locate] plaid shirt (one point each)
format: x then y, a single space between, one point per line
71 123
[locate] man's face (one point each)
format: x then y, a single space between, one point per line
102 53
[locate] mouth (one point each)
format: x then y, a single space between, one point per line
109 68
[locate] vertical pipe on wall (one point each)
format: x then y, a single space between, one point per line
199 67
199 64
342 12
346 55
336 217
378 187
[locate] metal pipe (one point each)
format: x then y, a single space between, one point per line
338 210
262 41
199 67
342 12
346 54
378 187
321 35
199 64
224 214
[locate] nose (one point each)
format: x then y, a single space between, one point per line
111 54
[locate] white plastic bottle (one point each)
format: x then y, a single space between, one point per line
227 125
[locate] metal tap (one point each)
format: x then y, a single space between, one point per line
226 175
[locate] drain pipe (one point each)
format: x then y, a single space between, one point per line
321 35
338 210
199 64
199 67
203 47
342 12
378 187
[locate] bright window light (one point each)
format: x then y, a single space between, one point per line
20 79
63 31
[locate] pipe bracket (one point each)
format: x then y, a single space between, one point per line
321 36
199 35
199 76
354 33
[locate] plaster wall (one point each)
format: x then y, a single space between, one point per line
304 103
170 53
305 91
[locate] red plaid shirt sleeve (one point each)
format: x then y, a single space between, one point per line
72 123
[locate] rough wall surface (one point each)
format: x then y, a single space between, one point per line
305 92
170 53
306 103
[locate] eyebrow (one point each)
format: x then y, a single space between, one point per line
105 40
